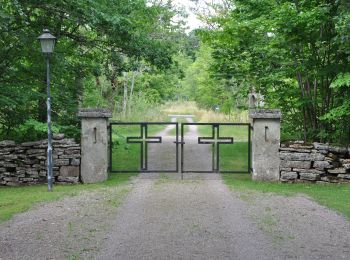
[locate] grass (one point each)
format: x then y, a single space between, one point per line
126 156
334 196
234 157
239 133
14 200
203 115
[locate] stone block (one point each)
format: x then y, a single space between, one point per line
69 156
58 136
337 171
7 150
289 175
28 144
72 151
9 165
7 143
69 171
61 162
321 146
344 176
75 162
340 150
36 151
11 179
301 156
12 184
301 146
309 176
325 179
27 179
32 173
346 166
322 165
9 157
345 161
295 164
286 169
94 113
67 179
288 149
309 170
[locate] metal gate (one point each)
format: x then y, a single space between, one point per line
205 147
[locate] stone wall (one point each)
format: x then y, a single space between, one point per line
26 163
316 162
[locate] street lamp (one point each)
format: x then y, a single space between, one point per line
47 42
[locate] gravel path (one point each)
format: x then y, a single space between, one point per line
72 228
164 217
199 218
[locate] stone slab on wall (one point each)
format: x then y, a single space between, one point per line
25 163
316 162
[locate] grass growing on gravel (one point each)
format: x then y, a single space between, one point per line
14 200
335 196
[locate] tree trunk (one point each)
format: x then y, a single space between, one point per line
125 98
131 90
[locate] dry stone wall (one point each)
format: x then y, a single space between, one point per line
316 162
26 163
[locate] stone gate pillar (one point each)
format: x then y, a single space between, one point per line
265 144
94 145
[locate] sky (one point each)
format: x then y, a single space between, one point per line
192 20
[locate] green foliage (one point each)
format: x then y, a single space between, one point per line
295 53
97 41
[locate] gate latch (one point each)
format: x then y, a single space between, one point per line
179 142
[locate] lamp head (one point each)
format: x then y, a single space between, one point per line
47 41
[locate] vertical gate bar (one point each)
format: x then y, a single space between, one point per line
249 149
110 147
141 157
218 149
146 148
213 152
182 151
177 147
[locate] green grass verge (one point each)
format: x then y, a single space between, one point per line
334 196
14 200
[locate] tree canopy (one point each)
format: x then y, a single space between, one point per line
296 53
127 55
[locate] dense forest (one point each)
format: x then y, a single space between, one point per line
134 55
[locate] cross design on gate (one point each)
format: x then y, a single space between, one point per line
144 140
216 141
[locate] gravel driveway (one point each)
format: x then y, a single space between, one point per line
164 217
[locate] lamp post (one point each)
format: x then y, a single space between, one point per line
47 42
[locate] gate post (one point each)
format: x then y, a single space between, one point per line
94 144
265 144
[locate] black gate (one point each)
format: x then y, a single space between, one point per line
140 147
205 147
223 147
